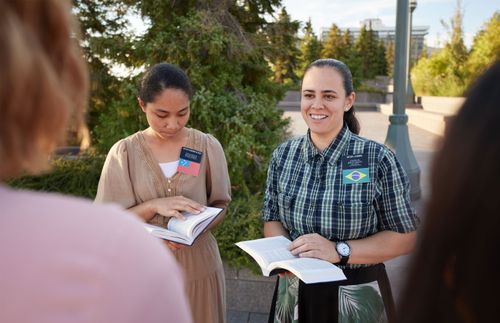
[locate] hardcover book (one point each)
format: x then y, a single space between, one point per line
187 230
273 257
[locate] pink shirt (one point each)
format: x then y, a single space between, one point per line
63 259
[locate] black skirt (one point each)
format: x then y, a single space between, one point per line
364 297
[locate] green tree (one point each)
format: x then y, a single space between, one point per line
389 57
310 48
104 35
352 58
444 73
250 14
381 61
339 45
283 54
456 47
367 45
485 48
223 57
333 45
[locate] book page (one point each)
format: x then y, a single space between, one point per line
273 256
311 270
187 226
267 250
162 233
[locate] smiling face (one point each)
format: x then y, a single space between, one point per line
323 103
168 114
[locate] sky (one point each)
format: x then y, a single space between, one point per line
349 13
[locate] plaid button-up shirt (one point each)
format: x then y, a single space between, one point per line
306 190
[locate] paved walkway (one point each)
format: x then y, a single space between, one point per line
374 125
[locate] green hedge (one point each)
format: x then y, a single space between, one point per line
80 176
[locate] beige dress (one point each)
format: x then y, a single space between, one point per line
131 175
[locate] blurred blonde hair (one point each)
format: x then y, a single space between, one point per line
43 82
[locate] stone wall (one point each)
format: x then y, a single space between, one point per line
441 104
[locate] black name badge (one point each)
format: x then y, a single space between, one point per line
355 169
191 155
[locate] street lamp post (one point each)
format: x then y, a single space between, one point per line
397 135
410 95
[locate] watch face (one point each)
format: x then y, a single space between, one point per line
343 249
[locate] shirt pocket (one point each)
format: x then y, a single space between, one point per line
353 210
353 221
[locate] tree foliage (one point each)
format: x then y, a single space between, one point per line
333 45
104 36
283 51
452 70
456 48
310 48
365 57
225 48
389 57
352 58
234 100
372 54
444 73
339 45
485 49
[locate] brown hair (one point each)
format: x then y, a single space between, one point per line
42 84
455 267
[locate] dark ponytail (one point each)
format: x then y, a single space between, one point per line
351 121
341 67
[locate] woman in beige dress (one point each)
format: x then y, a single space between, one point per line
141 174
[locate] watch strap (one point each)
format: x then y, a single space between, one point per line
343 260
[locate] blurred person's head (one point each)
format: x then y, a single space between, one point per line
455 268
43 82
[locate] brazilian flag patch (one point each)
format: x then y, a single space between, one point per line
353 176
355 169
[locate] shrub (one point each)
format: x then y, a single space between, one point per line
78 177
242 222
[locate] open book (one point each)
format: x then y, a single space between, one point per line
273 256
187 230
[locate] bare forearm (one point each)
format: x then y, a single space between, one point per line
274 228
375 249
381 246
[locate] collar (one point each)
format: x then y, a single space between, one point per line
332 153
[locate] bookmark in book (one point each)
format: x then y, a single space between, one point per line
189 161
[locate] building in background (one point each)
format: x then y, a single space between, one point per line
387 34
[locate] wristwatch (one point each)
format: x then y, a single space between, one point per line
344 251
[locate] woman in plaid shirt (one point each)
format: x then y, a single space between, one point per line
341 198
